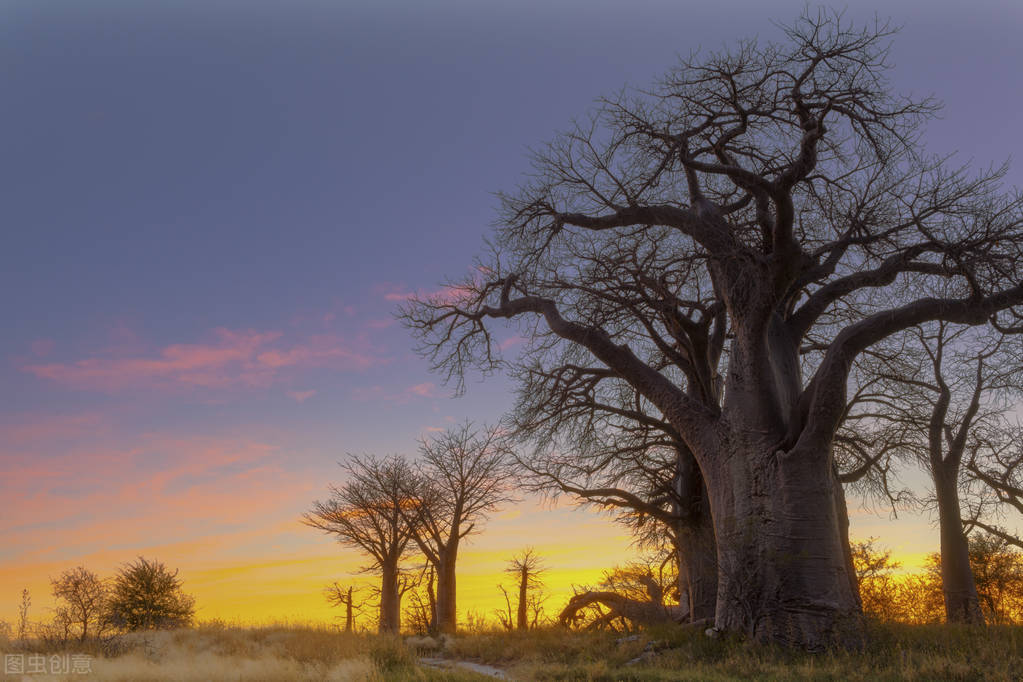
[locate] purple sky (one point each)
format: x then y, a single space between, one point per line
210 210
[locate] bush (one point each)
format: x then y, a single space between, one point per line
147 596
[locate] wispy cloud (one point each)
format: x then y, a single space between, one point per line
399 397
425 390
152 485
451 293
244 358
301 396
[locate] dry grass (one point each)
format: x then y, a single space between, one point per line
894 652
215 651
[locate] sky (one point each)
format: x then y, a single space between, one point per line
211 211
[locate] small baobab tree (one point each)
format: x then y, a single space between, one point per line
526 569
462 476
366 512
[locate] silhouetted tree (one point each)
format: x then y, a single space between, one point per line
728 243
146 595
463 476
82 596
527 569
366 513
343 597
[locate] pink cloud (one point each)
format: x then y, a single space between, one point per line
301 396
42 347
169 477
511 342
29 431
233 358
427 390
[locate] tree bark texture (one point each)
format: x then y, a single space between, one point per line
695 545
447 615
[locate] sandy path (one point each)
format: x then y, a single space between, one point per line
442 663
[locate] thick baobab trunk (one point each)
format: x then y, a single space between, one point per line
390 602
962 605
782 567
697 551
447 620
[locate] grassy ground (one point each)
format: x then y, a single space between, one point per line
219 652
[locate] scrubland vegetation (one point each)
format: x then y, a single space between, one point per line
217 651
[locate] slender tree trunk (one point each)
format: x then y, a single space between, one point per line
783 575
523 621
349 614
390 602
447 618
962 605
431 597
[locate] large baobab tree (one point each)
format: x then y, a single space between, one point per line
463 476
597 440
366 513
728 243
